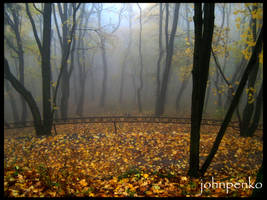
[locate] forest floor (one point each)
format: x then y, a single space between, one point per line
141 159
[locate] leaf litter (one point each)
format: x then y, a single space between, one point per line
142 159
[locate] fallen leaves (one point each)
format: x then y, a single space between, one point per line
140 160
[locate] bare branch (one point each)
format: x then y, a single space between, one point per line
41 12
10 44
34 28
219 68
58 33
119 22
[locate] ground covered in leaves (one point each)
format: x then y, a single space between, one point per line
138 160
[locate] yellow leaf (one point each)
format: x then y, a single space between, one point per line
83 182
149 193
145 175
15 193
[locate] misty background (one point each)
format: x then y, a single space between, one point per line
121 43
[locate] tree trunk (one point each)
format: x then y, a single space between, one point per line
46 69
65 43
180 93
126 55
92 84
65 94
28 98
64 63
105 74
55 64
45 128
185 82
12 103
141 64
160 52
15 26
253 127
79 110
201 60
104 62
234 103
161 100
249 108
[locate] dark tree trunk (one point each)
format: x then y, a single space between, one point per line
28 98
234 103
255 122
201 60
161 100
45 128
46 69
248 111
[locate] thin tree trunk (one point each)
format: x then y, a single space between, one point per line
134 89
55 65
15 26
141 64
126 55
105 72
185 82
104 62
27 96
160 52
92 84
161 100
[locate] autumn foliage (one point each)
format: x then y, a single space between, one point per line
142 159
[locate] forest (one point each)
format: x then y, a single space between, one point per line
133 100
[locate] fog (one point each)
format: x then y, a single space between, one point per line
110 33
